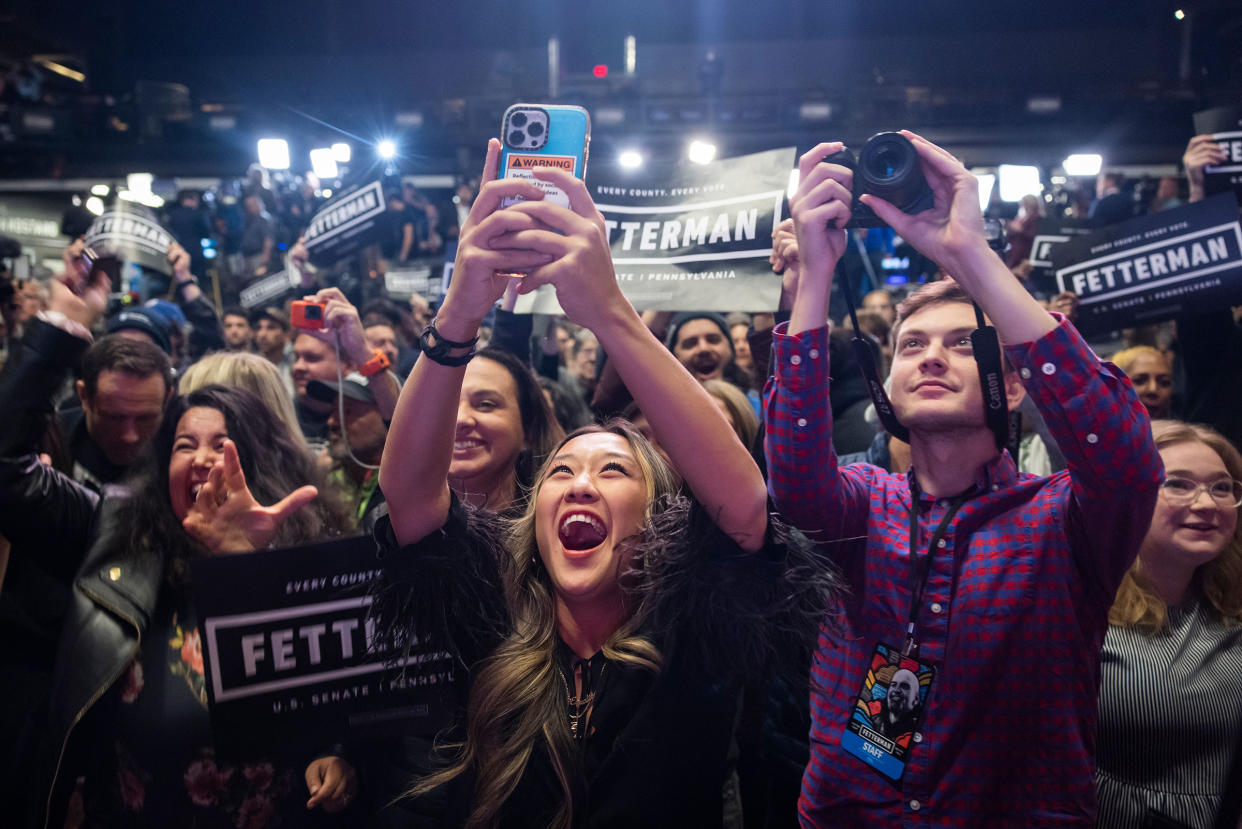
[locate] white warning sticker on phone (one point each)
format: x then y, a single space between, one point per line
520 166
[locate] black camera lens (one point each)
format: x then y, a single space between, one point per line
517 138
314 312
518 119
535 130
888 167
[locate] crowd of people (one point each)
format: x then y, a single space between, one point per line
696 570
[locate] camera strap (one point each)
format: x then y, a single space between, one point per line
864 354
985 346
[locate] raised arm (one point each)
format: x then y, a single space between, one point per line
951 235
419 449
803 475
688 423
1089 406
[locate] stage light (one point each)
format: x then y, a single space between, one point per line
274 153
323 163
326 192
387 149
100 190
702 152
95 205
815 111
1018 180
631 54
341 153
986 182
1082 164
139 183
630 159
1179 14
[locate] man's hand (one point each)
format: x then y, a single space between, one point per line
1065 303
1201 152
340 318
226 518
332 783
950 231
785 261
80 300
819 207
180 262
77 268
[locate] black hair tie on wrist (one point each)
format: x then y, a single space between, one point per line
437 347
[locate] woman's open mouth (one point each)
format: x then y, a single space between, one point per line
580 531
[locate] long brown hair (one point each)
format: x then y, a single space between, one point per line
516 697
1219 581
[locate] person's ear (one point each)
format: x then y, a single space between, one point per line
80 388
1014 390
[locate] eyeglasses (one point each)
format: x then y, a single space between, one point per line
1183 492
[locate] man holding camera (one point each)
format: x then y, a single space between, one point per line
330 343
993 584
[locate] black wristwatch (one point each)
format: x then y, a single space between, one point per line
437 347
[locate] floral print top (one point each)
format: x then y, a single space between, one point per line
152 763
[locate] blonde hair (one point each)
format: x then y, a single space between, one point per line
1127 357
252 372
741 413
517 695
1219 581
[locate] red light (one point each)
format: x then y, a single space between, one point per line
600 70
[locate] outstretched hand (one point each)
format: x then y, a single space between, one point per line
954 226
226 518
575 242
481 272
1202 151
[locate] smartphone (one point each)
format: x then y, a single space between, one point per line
303 314
97 262
544 135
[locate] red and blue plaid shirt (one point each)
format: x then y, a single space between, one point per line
1016 603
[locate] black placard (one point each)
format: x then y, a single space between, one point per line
287 651
691 236
346 225
131 233
1155 267
1224 124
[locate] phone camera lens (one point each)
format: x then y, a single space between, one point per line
535 130
517 138
518 119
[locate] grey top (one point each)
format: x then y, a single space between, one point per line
1170 717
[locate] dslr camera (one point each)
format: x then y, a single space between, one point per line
888 167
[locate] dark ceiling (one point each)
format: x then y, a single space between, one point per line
1123 74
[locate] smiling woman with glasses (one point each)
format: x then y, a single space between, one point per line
1170 715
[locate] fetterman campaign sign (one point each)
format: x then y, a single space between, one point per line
131 233
1224 124
346 225
288 651
691 236
1155 267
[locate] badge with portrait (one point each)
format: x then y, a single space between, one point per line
888 711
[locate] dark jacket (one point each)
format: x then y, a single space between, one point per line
70 528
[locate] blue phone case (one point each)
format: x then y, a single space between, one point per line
564 144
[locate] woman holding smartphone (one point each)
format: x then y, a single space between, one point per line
612 622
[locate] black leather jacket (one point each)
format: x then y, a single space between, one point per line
70 528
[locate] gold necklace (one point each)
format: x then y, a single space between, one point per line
578 707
